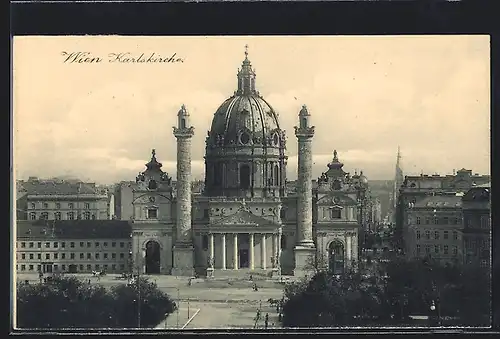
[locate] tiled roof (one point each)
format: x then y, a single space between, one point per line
442 201
54 187
73 229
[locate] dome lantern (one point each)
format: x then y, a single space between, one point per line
246 77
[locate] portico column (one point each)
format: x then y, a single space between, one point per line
251 251
223 249
263 251
275 248
348 247
211 244
235 254
279 248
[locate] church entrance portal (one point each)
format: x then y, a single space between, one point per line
336 257
152 257
244 259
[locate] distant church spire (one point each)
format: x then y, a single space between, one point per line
246 77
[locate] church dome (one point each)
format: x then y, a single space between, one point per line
245 120
245 144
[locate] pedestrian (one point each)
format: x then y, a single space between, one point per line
266 320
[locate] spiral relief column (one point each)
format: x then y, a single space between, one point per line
304 248
183 251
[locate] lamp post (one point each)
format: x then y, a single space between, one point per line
178 305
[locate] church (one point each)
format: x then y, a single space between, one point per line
248 216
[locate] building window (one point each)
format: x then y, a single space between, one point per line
23 256
38 268
81 267
56 267
205 242
122 244
72 255
335 213
97 256
33 216
485 224
72 244
418 220
418 250
113 244
245 176
58 205
47 256
122 255
63 244
82 256
39 245
23 244
56 255
428 235
97 244
23 267
71 216
31 267
122 267
455 235
47 245
89 267
418 234
436 235
57 215
105 255
86 215
63 267
89 256
152 213
113 267
71 205
45 205
44 216
105 267
33 206
63 255
39 255
436 249
445 249
82 243
87 206
427 221
105 244
89 244
427 249
445 234
32 256
56 245
436 220
113 255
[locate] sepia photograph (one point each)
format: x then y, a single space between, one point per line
251 182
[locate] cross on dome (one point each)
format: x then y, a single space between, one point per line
246 50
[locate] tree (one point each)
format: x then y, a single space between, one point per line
73 304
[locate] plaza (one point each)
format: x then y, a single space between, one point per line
219 303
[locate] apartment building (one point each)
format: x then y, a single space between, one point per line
73 246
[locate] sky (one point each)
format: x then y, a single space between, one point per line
367 95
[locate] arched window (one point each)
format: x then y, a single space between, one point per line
71 216
245 176
86 215
183 123
57 216
33 216
217 174
304 122
152 185
276 175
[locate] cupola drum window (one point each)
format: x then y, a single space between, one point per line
245 176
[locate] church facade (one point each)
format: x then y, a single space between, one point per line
248 216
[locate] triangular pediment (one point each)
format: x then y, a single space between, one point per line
336 200
243 217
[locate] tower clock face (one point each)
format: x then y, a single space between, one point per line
152 185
